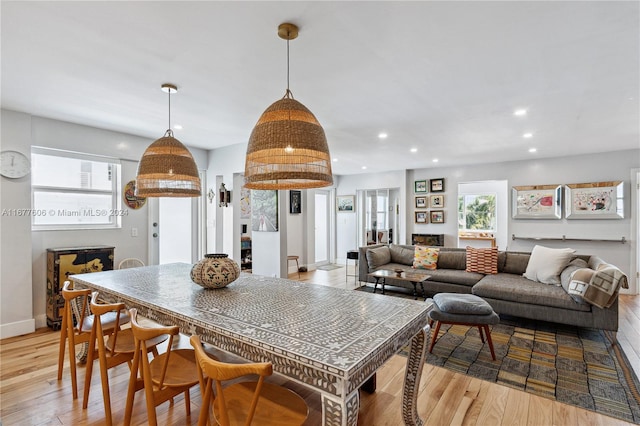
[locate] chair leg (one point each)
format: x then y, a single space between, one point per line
480 331
298 268
187 402
63 342
434 337
489 341
72 355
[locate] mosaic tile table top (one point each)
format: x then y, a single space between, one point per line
328 338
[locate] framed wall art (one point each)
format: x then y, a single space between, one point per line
536 202
437 201
346 203
264 210
130 198
420 186
422 217
421 203
599 200
437 185
437 216
295 201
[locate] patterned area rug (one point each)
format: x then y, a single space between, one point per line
573 365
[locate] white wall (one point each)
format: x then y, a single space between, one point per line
17 239
600 167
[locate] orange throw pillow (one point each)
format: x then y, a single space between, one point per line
482 260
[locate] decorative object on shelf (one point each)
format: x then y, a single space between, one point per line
420 186
14 164
224 196
215 271
599 200
346 203
264 211
130 198
287 147
437 185
536 202
437 201
295 202
167 168
421 203
437 216
421 217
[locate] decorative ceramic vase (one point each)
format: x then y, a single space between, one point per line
215 271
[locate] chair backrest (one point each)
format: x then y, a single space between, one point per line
212 371
130 262
76 304
100 309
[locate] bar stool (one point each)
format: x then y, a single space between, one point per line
294 257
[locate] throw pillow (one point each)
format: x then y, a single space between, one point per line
546 264
579 284
377 257
402 255
574 265
482 260
425 257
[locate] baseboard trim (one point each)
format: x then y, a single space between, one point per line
17 328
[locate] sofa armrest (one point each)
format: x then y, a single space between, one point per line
363 265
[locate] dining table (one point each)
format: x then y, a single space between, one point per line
332 340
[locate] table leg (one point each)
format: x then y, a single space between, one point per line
375 286
415 363
415 292
422 287
341 413
370 385
383 283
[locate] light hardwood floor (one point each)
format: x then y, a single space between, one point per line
31 395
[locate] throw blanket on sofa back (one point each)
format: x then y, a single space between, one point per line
600 287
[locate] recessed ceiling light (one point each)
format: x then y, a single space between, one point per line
532 149
382 135
435 160
177 126
520 112
335 160
527 135
364 167
414 150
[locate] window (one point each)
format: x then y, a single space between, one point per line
70 190
477 212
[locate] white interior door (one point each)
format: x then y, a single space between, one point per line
322 227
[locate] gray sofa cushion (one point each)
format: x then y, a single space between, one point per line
515 263
377 257
452 260
464 304
515 288
401 254
454 276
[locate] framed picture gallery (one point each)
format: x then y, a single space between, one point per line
420 186
421 202
437 201
436 185
422 217
437 216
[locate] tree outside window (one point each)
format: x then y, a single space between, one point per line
477 212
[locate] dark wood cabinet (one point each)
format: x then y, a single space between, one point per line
62 262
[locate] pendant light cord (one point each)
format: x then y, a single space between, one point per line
169 132
288 94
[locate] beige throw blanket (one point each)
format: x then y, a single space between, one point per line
600 288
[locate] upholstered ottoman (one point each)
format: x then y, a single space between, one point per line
462 309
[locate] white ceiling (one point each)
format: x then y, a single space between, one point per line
442 77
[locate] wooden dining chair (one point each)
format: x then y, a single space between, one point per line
118 348
167 375
130 262
78 331
244 403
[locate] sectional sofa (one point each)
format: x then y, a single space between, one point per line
507 291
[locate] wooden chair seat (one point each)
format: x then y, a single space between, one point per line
180 369
244 403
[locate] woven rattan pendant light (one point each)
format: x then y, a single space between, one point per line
287 147
167 168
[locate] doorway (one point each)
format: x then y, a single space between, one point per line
322 227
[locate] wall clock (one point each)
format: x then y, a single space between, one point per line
14 164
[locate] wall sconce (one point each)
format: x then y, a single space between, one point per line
211 195
225 196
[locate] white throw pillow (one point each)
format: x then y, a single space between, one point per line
546 264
